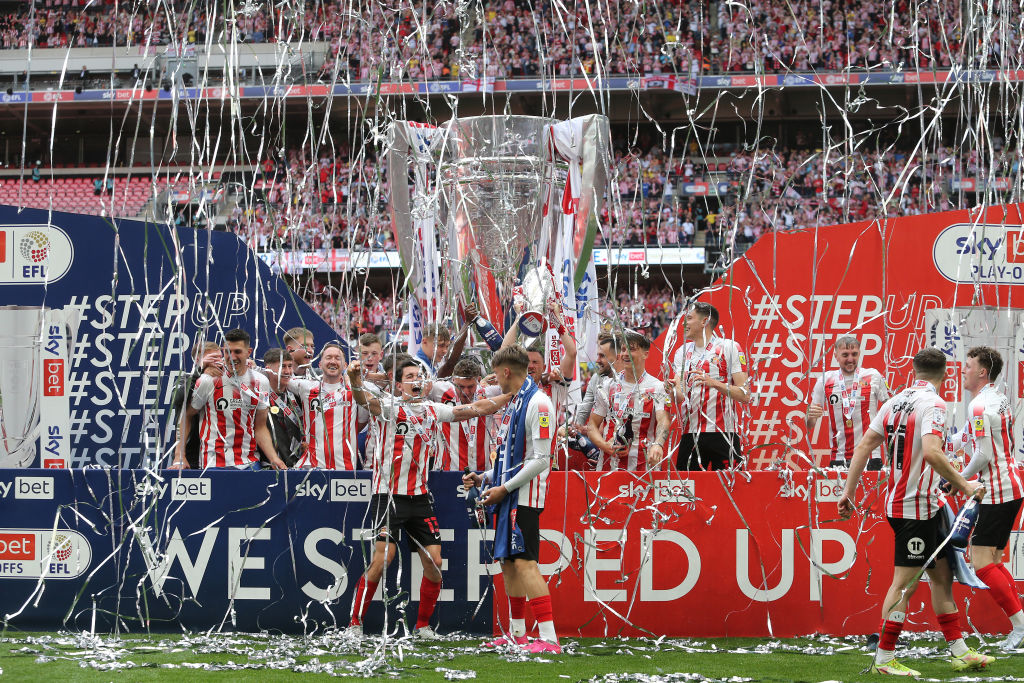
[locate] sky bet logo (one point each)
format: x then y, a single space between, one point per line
341 490
37 488
33 254
986 254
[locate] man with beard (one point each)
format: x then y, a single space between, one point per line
853 394
332 418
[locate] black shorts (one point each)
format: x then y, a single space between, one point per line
415 514
528 521
874 464
995 522
916 540
708 451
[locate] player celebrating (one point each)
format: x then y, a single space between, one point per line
400 497
284 421
990 428
234 420
467 443
331 417
609 364
632 414
711 379
912 427
853 394
298 341
520 481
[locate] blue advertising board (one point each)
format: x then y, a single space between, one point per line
128 300
250 551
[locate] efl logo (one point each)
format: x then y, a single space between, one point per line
1014 246
54 463
190 489
53 377
17 546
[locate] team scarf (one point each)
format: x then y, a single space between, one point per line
508 537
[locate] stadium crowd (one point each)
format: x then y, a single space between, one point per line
513 38
302 204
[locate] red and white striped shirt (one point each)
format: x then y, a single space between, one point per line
333 421
706 409
913 487
468 443
621 399
850 403
992 438
409 443
227 429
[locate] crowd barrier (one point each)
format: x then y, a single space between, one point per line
681 554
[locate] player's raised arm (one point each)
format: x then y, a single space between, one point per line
359 395
479 408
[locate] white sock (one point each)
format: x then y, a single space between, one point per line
1017 620
547 631
517 627
959 648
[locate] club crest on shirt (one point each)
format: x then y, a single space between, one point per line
979 424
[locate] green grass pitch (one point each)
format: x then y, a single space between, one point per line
230 657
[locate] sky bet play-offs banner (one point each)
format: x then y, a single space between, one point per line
692 556
97 317
953 280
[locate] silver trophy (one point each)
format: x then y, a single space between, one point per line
20 335
492 186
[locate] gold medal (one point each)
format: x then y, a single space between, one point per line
849 422
275 410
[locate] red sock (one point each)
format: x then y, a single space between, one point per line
950 625
364 594
1002 591
517 607
1010 581
889 634
428 598
541 608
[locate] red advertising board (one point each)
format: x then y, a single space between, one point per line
704 554
898 285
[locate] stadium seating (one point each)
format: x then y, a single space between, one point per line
78 195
